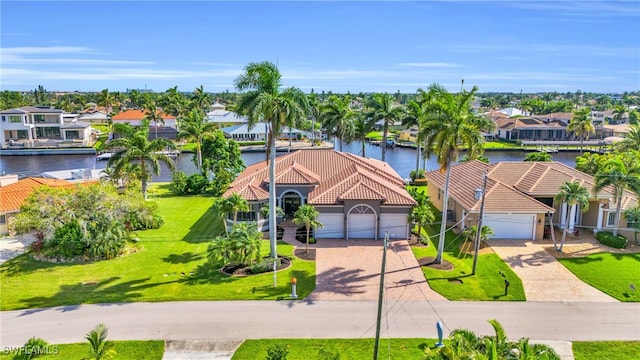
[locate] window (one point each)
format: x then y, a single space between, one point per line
3 219
4 119
246 216
39 119
611 219
15 118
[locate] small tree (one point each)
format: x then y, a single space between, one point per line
99 347
242 246
633 221
237 203
538 156
422 216
307 215
572 193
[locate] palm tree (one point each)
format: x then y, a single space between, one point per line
450 124
633 220
307 215
222 207
264 99
201 99
153 115
134 145
416 113
573 194
106 99
581 125
337 117
236 203
314 113
421 215
385 110
618 112
471 232
196 128
631 140
99 346
362 126
175 104
621 172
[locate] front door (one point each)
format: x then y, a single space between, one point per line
291 205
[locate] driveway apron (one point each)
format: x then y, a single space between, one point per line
350 270
543 277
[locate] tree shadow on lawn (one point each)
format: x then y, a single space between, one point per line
103 291
207 227
183 258
24 264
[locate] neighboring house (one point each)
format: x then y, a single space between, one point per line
619 130
379 125
223 118
409 135
32 126
13 192
357 198
531 128
134 118
511 111
94 117
519 201
258 132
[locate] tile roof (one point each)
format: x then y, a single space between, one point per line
12 196
500 197
337 177
129 115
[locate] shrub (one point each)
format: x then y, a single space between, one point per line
68 241
33 348
197 184
607 238
178 183
265 266
277 352
99 346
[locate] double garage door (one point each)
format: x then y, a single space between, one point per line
511 226
362 226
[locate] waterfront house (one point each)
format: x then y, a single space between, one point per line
531 129
519 199
258 132
168 129
42 126
357 198
220 116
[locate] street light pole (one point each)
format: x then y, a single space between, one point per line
479 229
380 296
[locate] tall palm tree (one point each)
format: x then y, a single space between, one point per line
384 109
314 113
236 203
175 104
450 124
264 99
573 194
307 215
201 99
618 112
153 115
416 113
631 140
196 128
622 172
134 145
362 125
581 125
107 100
337 117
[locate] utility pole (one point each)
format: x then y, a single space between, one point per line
380 296
479 231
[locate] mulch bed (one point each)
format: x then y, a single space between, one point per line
241 270
301 254
430 261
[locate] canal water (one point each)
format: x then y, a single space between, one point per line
403 160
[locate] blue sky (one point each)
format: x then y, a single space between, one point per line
533 46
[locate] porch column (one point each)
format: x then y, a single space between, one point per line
464 214
572 217
563 215
600 218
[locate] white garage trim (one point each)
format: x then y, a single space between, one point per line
362 222
511 226
395 224
333 226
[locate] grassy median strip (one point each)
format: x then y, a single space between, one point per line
171 266
619 350
140 350
614 274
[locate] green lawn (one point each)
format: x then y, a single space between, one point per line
170 267
609 273
305 349
125 350
618 350
375 135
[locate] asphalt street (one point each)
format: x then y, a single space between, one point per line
232 320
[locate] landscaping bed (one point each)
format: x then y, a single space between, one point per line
246 270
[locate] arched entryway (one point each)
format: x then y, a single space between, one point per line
362 222
291 201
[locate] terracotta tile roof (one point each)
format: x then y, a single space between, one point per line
468 176
12 196
334 175
129 115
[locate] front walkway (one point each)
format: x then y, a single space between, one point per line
11 247
350 270
543 277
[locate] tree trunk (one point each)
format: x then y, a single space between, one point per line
385 130
418 156
235 218
313 131
566 227
364 151
272 198
618 211
307 239
143 178
199 151
443 224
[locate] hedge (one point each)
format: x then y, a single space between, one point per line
607 238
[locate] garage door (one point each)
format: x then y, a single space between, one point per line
333 226
510 226
395 224
361 226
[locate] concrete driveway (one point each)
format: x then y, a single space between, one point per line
350 270
543 277
11 247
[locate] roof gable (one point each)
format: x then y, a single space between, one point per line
137 114
12 196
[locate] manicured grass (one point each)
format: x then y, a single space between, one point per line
618 350
350 349
147 350
188 147
375 135
170 267
609 273
500 145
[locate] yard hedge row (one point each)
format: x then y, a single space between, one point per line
607 238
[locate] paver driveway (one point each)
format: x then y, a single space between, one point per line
543 277
350 270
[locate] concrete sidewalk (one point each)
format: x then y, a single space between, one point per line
543 277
